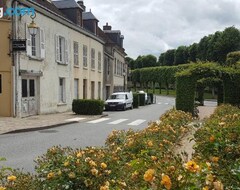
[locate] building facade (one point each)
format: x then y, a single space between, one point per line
6 72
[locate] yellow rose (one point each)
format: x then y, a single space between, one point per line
215 159
94 171
212 138
79 155
66 164
50 175
105 187
192 166
103 165
150 143
154 158
11 178
2 188
149 175
92 163
166 181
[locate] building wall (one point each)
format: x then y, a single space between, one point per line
5 70
50 71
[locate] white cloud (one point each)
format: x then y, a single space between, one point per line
153 26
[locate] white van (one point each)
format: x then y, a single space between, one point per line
119 100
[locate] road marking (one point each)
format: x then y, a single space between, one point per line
166 103
160 103
118 121
99 120
137 122
75 119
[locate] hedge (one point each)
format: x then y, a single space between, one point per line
135 100
87 107
141 99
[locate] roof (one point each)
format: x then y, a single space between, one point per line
51 7
88 16
66 4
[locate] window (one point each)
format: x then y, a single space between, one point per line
99 61
84 88
92 89
85 55
61 50
76 89
32 88
24 88
108 66
75 51
0 84
62 93
36 44
99 90
93 58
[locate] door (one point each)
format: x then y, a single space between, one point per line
29 100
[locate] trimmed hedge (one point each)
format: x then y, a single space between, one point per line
135 100
87 107
141 99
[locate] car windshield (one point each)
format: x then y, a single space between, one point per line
117 96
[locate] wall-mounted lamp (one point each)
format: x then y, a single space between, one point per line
32 27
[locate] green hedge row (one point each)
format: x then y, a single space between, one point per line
135 100
87 107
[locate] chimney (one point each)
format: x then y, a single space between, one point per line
107 27
80 3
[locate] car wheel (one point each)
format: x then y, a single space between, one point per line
124 107
131 107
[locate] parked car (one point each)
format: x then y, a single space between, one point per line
119 100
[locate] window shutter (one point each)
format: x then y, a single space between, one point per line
28 42
42 44
57 55
66 52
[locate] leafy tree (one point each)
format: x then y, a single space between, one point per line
202 48
228 42
161 59
181 55
169 57
130 62
192 52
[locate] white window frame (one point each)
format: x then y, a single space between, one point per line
35 44
62 91
85 55
61 49
75 53
92 58
99 61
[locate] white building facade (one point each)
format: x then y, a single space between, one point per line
62 62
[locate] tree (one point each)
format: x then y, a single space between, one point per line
202 49
229 41
161 59
192 52
181 55
169 57
130 62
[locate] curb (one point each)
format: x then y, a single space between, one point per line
49 126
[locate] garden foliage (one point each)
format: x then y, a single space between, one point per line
145 159
87 107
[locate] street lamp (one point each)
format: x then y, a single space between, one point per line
32 27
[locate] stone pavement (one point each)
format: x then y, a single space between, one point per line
9 124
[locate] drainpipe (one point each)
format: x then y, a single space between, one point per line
15 73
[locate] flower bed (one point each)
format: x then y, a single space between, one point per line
144 159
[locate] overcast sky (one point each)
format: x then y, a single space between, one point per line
154 26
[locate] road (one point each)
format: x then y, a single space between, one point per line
21 149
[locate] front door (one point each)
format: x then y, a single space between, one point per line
29 100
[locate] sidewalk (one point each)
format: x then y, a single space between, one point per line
9 124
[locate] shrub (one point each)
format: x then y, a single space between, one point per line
218 142
135 100
87 107
141 99
232 58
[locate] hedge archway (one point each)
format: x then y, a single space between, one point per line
186 82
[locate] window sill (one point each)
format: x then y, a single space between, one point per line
61 104
76 66
93 69
64 64
85 68
35 58
99 71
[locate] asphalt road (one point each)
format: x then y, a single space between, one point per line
21 149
